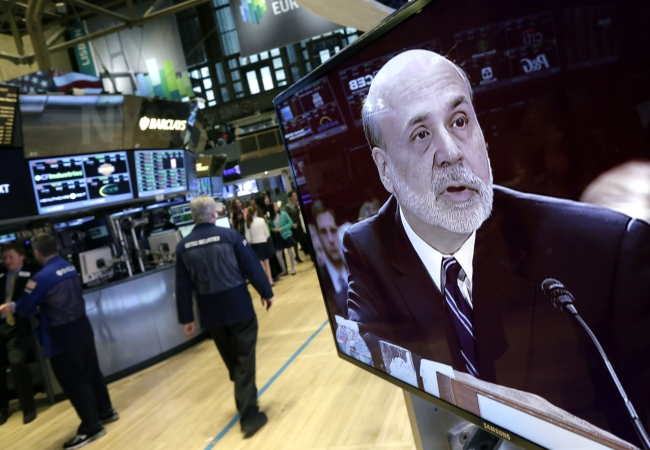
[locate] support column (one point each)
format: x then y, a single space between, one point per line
33 17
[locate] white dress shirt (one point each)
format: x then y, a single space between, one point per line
432 260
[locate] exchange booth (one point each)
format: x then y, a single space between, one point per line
513 314
109 176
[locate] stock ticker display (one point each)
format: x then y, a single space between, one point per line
8 103
508 52
312 114
160 172
73 182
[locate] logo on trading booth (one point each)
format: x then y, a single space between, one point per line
106 169
147 123
144 123
252 11
109 189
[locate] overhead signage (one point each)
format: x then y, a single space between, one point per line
266 24
156 123
147 123
83 52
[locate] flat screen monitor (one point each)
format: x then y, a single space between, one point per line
192 175
180 214
452 152
229 191
6 238
82 181
185 230
246 188
160 172
16 191
204 165
163 242
223 222
205 186
8 107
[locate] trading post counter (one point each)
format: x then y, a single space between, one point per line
135 324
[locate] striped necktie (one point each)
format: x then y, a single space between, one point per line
9 295
460 314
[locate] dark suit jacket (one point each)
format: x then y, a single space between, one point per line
336 301
24 274
523 342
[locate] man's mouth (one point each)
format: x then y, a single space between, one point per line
458 193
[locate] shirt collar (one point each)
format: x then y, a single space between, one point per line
432 258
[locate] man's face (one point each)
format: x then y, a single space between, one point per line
328 234
294 198
435 159
12 259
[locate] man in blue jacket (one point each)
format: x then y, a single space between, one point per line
67 337
214 262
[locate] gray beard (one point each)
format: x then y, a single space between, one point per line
443 212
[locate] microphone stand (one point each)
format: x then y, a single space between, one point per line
640 431
563 299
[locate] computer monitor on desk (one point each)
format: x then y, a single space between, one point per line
95 264
163 245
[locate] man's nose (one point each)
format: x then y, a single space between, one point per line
447 152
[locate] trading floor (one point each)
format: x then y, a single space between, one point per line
314 400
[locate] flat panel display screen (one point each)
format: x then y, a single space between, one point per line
246 188
160 172
84 181
60 125
8 107
16 192
509 153
228 191
6 238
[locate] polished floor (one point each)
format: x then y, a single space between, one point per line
314 400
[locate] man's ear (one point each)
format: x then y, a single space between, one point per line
381 161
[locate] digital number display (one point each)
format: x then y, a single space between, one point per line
160 172
73 182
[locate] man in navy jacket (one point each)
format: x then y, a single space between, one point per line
431 155
67 337
214 263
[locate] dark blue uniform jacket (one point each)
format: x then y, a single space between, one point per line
214 262
63 324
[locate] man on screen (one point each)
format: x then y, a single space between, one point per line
451 268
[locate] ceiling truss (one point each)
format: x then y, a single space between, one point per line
34 17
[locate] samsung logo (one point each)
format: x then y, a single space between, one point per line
496 431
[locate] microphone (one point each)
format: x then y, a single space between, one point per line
563 299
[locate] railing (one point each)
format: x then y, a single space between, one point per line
260 144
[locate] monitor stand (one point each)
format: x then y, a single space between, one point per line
436 429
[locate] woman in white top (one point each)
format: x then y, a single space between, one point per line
258 236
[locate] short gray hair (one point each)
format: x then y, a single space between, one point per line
370 118
203 208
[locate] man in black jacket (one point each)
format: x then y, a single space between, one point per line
214 262
15 334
